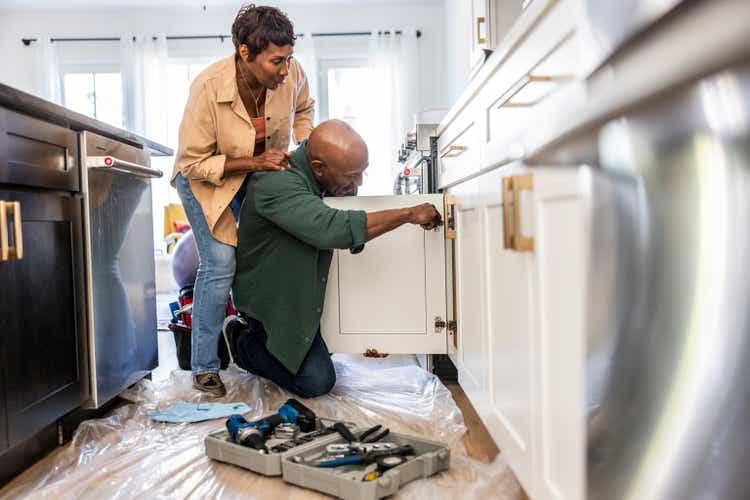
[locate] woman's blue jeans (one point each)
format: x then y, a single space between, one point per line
212 283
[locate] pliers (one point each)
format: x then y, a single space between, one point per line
367 458
369 435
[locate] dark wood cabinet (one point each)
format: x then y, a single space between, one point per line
37 153
42 344
43 370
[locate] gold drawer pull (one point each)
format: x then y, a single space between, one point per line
521 243
480 39
507 220
8 252
512 237
454 151
549 84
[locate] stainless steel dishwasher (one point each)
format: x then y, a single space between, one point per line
120 270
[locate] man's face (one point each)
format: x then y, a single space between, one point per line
271 67
340 177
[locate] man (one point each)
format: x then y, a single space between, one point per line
286 236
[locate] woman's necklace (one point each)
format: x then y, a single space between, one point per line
249 88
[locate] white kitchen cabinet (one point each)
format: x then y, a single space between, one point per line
472 355
536 243
520 271
390 296
508 309
561 213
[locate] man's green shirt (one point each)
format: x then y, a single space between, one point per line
286 236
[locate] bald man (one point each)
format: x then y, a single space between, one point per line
286 241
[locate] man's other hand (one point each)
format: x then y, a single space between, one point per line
426 215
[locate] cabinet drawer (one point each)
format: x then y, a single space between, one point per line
459 149
37 153
550 58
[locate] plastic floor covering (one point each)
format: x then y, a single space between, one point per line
127 455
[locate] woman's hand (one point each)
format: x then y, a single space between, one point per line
271 159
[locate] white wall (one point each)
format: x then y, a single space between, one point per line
457 46
16 68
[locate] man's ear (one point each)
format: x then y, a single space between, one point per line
317 167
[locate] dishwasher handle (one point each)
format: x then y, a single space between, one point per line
112 163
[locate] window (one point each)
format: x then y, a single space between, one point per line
179 77
347 93
96 94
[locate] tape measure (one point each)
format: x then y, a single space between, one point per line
384 464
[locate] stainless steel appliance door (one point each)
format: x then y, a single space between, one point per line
610 24
123 343
668 349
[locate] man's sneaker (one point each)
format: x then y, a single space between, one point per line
232 329
210 383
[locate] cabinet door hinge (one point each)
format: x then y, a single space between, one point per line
440 324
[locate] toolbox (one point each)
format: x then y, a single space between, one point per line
220 446
300 465
430 457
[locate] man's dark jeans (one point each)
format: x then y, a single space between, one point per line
315 376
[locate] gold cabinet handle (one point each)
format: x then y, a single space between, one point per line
507 220
521 243
454 151
449 213
480 39
8 252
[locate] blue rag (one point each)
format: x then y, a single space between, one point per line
197 412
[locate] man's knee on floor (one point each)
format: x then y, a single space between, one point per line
318 385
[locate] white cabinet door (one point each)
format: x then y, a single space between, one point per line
561 215
472 356
388 296
509 315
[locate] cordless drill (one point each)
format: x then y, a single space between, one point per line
255 434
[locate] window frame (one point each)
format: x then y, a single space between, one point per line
92 68
332 63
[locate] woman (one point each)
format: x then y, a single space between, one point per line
237 121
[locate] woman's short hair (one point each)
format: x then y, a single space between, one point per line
256 26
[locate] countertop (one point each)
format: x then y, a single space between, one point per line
40 108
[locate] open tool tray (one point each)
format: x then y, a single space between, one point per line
347 482
219 446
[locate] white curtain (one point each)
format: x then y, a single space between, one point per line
143 66
304 52
392 61
143 61
47 78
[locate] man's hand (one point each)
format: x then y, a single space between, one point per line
373 353
271 159
426 215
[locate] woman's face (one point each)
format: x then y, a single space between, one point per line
271 66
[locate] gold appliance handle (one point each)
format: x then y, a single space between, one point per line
8 252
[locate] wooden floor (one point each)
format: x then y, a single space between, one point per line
478 442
